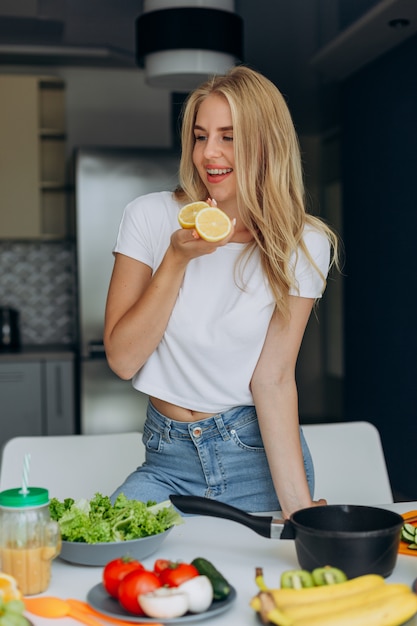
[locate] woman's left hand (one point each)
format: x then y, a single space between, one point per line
320 502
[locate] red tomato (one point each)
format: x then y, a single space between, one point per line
177 573
160 565
116 570
133 585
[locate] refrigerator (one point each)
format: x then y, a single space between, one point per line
106 180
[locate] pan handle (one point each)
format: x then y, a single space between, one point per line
205 506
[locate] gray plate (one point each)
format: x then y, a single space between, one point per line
99 554
100 601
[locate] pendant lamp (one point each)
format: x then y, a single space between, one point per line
181 44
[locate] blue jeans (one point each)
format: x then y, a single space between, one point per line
221 457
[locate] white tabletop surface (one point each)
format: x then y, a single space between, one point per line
234 549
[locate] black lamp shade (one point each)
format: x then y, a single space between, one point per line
189 29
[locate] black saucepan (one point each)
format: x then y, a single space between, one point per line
357 539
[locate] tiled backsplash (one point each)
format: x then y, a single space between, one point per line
39 280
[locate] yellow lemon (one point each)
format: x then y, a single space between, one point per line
186 216
9 589
212 224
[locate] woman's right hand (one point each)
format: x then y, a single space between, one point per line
187 243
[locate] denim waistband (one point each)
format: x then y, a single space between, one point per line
222 423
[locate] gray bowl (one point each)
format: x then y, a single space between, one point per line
99 554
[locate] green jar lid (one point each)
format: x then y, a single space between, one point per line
15 498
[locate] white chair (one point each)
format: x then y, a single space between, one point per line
348 459
72 466
349 463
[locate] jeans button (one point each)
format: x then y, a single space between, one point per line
197 432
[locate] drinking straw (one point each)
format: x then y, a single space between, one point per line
25 474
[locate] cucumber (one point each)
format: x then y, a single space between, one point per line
221 587
409 528
406 536
409 533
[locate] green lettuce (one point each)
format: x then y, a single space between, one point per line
98 520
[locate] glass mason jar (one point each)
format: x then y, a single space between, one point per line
29 539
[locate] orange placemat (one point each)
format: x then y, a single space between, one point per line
409 518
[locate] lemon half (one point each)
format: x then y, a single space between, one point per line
9 589
188 212
212 224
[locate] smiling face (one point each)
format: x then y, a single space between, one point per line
213 153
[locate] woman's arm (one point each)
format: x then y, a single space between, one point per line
275 395
139 303
137 311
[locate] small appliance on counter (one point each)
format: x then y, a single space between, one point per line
9 329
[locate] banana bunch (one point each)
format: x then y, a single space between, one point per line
363 601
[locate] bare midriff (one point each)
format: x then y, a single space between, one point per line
30 566
178 413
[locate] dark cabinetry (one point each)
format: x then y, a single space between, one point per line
36 396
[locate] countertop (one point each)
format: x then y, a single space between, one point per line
39 353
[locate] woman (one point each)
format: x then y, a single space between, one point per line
211 331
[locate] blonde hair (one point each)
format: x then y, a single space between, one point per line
270 188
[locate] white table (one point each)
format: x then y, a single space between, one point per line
234 549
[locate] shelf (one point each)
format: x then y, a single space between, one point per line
52 105
33 181
54 215
53 186
52 133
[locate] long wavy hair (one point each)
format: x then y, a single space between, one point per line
270 187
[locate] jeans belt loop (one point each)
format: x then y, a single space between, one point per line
221 427
167 430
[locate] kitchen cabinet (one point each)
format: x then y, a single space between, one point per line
33 190
36 396
59 395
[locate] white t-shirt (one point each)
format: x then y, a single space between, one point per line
217 328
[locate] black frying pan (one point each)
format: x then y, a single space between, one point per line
357 539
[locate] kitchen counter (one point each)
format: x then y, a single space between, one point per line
39 353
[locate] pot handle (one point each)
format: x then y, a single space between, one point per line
197 505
